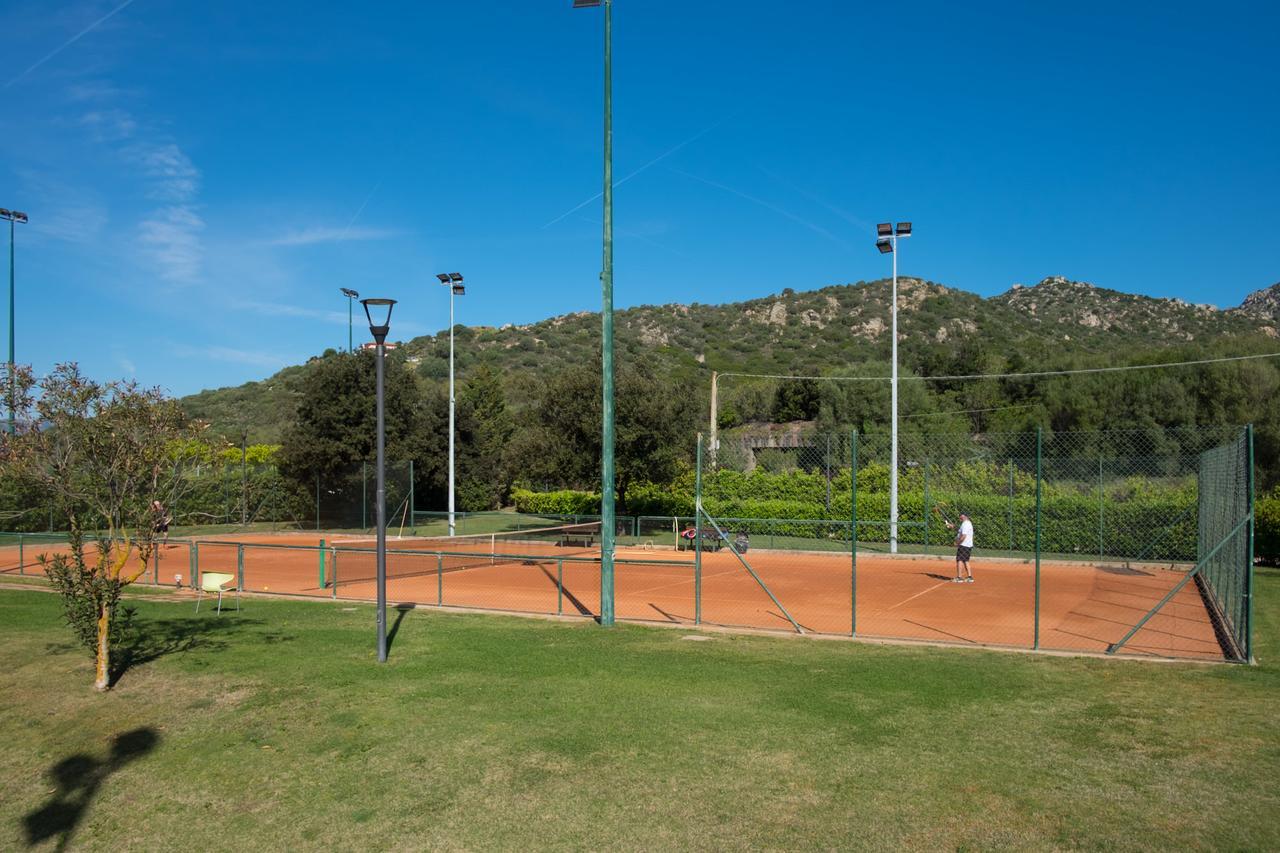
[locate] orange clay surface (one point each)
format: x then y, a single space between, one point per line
1083 607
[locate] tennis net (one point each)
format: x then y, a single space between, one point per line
355 560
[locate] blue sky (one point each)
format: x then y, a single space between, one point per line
203 177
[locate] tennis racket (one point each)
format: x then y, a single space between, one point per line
940 511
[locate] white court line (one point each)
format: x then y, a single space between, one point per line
917 595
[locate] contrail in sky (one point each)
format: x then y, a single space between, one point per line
655 161
839 211
66 44
817 229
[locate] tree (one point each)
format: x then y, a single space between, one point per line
105 453
654 431
485 428
335 429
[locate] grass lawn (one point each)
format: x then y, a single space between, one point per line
276 728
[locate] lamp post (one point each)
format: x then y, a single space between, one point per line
352 296
14 217
607 529
379 331
454 281
887 237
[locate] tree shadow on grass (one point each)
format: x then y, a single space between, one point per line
145 640
78 779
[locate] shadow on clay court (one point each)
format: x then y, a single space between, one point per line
77 779
573 599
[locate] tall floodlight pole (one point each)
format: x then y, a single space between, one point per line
379 332
607 529
887 237
456 288
352 296
14 217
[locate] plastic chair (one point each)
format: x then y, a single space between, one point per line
212 582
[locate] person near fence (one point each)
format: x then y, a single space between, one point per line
161 525
964 549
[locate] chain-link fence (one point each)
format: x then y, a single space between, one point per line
1082 540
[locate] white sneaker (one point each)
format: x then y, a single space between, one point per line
969 579
957 580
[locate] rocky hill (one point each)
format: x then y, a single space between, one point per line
840 328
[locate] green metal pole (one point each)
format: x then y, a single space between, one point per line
1011 540
22 562
240 567
1101 501
697 539
322 564
927 513
1248 589
853 536
413 514
1039 481
351 347
606 281
12 308
364 495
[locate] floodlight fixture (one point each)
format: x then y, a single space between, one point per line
349 293
904 229
884 229
585 4
459 290
885 246
455 277
443 276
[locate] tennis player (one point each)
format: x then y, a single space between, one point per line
161 525
964 549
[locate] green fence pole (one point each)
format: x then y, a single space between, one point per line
194 558
413 515
333 573
439 580
853 536
364 495
1248 584
240 566
1101 501
1039 482
22 562
1011 505
926 506
155 568
560 587
697 537
322 564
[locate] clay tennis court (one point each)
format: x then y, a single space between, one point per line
1083 607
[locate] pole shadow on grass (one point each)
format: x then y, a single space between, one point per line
401 610
77 779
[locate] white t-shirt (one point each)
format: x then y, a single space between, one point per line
966 534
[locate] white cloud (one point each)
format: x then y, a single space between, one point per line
328 234
170 237
109 125
176 179
256 358
274 309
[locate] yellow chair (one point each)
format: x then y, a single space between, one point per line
212 582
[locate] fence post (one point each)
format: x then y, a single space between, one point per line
827 465
413 515
1248 583
1011 539
22 562
322 564
927 513
155 567
240 566
333 573
853 536
193 557
697 537
560 587
1039 480
1101 501
439 580
364 495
